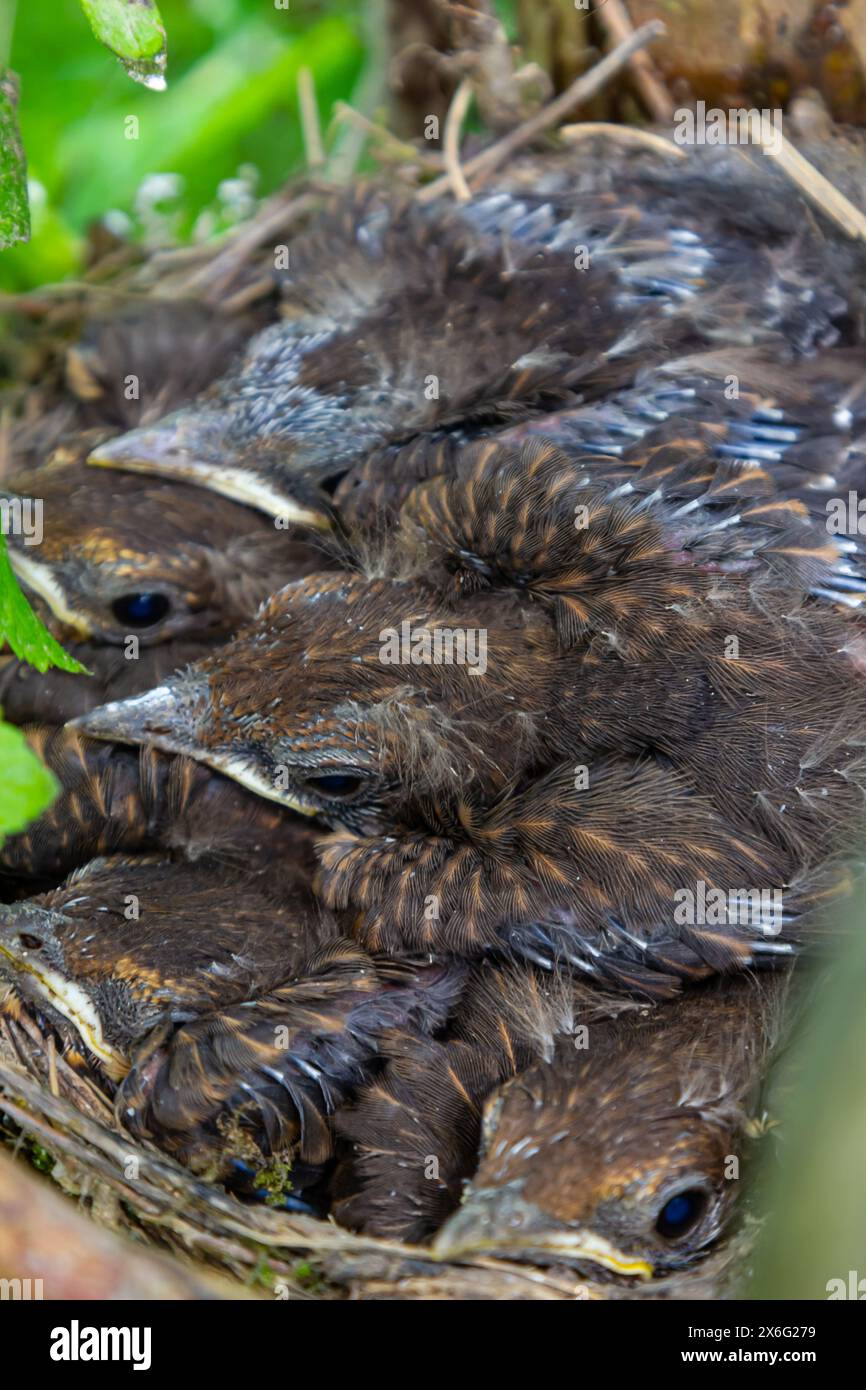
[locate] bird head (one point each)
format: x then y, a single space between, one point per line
398 321
141 557
347 696
36 944
622 1151
243 440
126 943
440 664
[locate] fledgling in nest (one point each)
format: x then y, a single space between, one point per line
556 286
555 707
227 1007
616 1150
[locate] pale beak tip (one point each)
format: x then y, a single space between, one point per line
119 722
112 451
137 450
92 728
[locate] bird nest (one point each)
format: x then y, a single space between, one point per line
216 1244
194 1239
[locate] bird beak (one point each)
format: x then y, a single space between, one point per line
499 1221
190 447
23 968
39 579
162 718
167 719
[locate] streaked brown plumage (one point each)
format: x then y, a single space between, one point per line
226 1004
587 1150
114 799
657 711
757 450
411 1139
790 432
270 1071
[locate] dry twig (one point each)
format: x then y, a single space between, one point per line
615 20
819 190
550 115
623 134
309 112
276 215
451 142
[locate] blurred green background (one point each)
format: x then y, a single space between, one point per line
225 132
229 114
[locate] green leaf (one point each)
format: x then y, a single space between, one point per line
14 205
26 787
53 252
134 31
20 627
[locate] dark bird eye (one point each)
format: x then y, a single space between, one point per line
681 1213
32 943
339 784
140 610
330 485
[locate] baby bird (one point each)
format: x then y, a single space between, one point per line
618 1149
229 1011
125 556
625 1148
127 564
407 322
554 715
125 942
400 321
